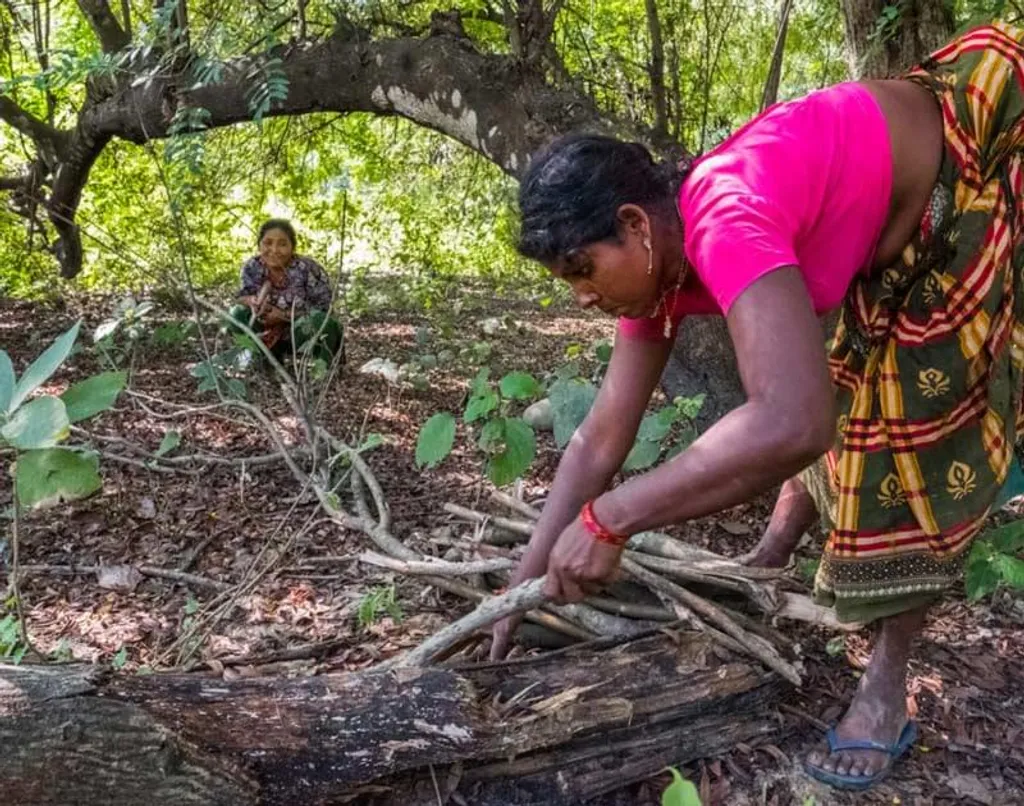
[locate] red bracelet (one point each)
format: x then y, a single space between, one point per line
593 525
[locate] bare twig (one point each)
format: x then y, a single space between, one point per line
755 645
524 597
515 504
517 526
438 567
145 570
196 552
629 609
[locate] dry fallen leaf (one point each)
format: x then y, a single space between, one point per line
124 578
147 509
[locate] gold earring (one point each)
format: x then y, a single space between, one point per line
650 256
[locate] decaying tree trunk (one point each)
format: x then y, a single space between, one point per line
557 729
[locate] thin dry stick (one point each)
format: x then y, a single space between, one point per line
755 645
698 559
438 567
523 597
144 570
629 609
517 526
196 552
515 504
599 622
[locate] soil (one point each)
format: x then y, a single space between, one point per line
962 681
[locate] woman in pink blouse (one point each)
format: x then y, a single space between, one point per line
897 202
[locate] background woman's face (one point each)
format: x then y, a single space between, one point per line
276 248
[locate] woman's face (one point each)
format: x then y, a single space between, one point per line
276 248
613 275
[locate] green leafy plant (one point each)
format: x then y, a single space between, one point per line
117 338
269 87
222 369
680 792
994 561
12 647
887 23
173 334
508 442
34 427
379 601
120 659
667 432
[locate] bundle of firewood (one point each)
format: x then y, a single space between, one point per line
664 580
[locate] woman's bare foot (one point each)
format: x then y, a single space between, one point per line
794 513
879 711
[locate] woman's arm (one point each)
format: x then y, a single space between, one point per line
786 423
594 454
252 280
318 287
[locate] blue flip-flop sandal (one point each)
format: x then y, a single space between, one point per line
861 782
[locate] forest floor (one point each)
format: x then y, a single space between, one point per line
964 679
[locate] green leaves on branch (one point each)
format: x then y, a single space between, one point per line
269 87
508 442
670 430
993 561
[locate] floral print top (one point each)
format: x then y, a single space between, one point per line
306 285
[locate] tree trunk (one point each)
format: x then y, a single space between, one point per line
562 728
879 46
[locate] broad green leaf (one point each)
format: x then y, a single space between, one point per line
570 402
520 446
1009 538
603 351
436 439
7 381
655 427
171 440
519 386
680 792
1012 570
44 366
40 423
106 329
481 405
492 436
93 395
54 475
642 455
372 440
479 384
980 577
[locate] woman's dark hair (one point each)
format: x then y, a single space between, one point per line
278 223
573 189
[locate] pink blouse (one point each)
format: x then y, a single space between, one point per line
805 184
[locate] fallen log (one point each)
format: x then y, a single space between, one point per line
560 728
